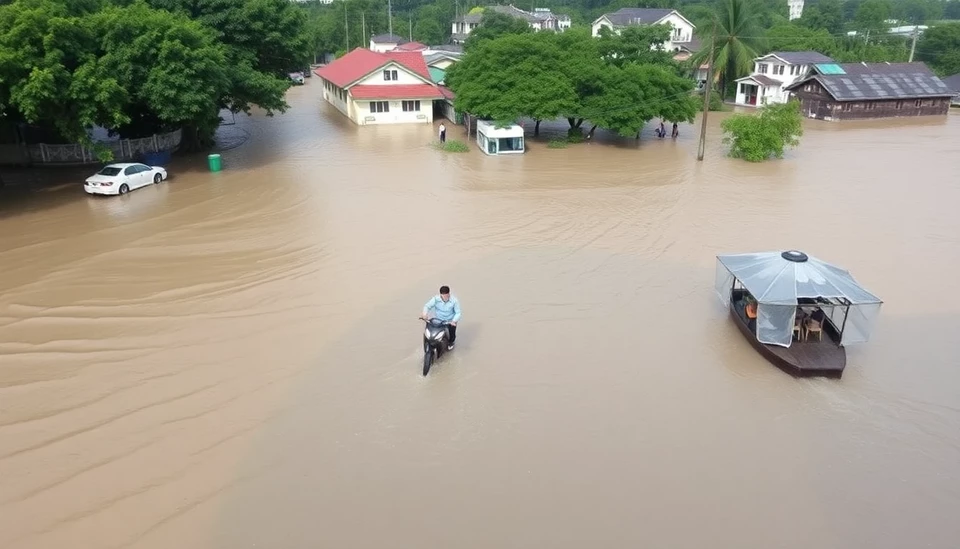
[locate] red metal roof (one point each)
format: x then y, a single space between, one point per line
447 93
361 62
412 60
399 91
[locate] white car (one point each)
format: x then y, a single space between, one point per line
123 178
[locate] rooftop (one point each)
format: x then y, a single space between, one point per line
388 39
866 81
400 91
808 57
952 82
531 17
761 79
361 62
633 16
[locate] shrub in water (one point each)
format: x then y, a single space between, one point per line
557 144
575 135
453 146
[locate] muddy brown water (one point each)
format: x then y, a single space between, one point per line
231 360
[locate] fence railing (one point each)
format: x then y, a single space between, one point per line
74 153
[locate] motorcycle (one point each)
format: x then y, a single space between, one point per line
435 338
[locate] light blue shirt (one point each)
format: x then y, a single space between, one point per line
447 311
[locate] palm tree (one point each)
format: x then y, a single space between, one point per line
738 40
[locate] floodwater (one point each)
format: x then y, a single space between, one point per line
232 360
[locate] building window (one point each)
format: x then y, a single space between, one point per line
778 69
918 103
846 107
762 68
899 104
870 106
390 75
379 106
411 106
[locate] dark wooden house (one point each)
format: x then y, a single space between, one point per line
858 91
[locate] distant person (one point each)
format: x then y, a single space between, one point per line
445 308
663 130
676 130
751 311
443 133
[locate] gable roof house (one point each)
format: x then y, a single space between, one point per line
681 38
386 42
539 19
369 87
953 84
857 91
774 72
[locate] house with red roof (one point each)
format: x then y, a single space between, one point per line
392 87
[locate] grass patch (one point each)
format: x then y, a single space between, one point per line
452 146
558 144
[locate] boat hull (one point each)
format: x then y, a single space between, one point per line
811 358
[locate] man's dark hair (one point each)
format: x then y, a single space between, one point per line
444 290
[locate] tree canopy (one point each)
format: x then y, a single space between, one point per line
544 76
136 68
766 134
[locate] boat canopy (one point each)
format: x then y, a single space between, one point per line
779 280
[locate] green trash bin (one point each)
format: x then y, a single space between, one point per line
213 161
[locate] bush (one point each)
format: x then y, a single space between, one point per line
557 144
758 137
716 102
452 146
575 135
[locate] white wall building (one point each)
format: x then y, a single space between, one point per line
539 19
369 87
796 9
680 37
772 73
496 141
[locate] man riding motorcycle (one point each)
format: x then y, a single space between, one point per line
446 308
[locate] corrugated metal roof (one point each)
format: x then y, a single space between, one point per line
863 81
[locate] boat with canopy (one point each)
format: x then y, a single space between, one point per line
797 311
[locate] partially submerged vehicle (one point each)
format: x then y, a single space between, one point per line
796 311
296 77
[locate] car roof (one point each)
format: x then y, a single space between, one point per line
124 165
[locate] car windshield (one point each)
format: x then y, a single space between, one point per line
109 171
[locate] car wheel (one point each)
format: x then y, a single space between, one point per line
157 178
124 189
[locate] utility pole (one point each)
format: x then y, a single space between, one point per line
913 46
390 15
706 96
363 25
346 25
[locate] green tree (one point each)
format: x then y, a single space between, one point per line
792 37
872 16
765 135
636 44
632 95
264 40
939 47
494 24
426 27
513 76
825 14
738 40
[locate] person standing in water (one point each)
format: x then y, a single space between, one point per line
676 131
443 133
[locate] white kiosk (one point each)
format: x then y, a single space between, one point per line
495 141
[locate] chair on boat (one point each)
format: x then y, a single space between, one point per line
798 325
816 327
